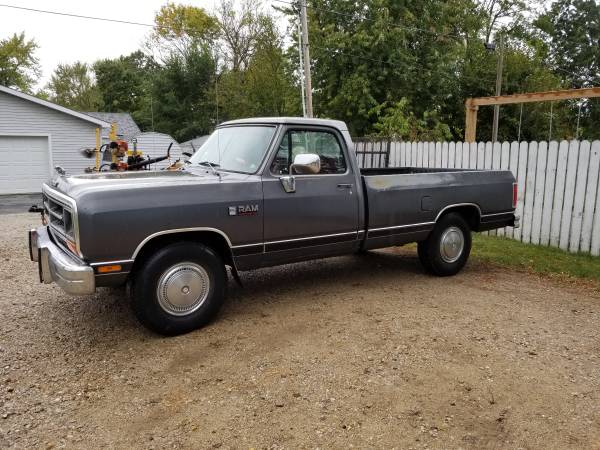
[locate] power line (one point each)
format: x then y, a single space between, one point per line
80 16
102 19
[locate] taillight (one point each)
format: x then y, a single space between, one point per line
515 194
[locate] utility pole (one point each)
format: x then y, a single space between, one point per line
301 70
499 68
305 51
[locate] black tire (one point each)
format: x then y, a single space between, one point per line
423 252
446 263
180 264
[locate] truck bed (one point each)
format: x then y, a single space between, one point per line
403 203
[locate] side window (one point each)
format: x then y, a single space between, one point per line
322 143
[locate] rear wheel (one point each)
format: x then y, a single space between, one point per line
447 249
179 288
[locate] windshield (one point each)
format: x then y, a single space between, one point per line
235 149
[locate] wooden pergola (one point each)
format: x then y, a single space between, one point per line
472 104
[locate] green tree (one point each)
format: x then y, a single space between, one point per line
72 85
181 29
181 99
525 70
271 88
494 12
19 68
375 52
378 63
571 31
208 68
395 121
240 30
123 82
177 95
259 82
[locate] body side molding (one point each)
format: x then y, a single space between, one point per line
180 230
458 205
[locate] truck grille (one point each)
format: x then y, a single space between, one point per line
60 217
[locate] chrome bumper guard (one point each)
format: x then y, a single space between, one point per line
517 222
55 265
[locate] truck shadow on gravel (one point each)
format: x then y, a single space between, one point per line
101 319
106 320
318 281
327 273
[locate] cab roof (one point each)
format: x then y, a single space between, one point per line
288 121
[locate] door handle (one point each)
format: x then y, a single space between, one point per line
345 186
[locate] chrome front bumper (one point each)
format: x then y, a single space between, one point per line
54 264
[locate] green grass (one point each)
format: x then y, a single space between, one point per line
549 260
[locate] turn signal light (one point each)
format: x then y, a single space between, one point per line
109 269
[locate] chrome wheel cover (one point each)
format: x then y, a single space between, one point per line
452 244
183 288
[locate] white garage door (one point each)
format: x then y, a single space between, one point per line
24 164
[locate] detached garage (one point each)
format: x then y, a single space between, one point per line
35 136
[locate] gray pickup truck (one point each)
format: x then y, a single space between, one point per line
259 192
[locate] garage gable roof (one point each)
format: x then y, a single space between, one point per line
54 106
126 126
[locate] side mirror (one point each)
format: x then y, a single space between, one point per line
306 164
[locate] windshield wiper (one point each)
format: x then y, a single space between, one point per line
212 167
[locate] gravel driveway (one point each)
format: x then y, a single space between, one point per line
365 351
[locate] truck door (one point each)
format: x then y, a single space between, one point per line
320 216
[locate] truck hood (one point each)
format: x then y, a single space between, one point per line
116 211
78 185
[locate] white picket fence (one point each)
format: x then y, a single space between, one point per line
559 195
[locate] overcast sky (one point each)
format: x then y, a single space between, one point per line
68 39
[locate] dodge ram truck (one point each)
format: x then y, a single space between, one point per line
259 192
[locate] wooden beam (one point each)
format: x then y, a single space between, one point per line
473 104
471 122
536 97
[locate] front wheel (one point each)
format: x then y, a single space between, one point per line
180 288
447 249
